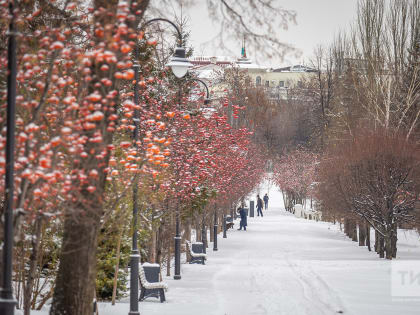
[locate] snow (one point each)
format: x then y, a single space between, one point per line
150 265
283 265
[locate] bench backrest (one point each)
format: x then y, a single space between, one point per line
152 272
229 218
197 248
298 210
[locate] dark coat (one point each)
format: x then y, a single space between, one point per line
265 198
259 203
242 213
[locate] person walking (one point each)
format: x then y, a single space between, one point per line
243 222
259 206
265 198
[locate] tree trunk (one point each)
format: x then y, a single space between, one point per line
159 244
117 268
187 233
376 241
168 260
45 298
350 229
211 229
394 240
197 231
152 251
388 247
169 249
284 200
367 226
204 235
346 226
362 234
95 303
381 246
37 290
33 261
353 231
21 276
75 284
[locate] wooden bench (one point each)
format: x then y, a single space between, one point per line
310 214
195 253
313 215
150 283
229 222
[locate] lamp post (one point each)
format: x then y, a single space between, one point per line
7 301
179 65
177 274
224 226
135 256
215 229
207 100
204 235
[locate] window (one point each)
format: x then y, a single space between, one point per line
281 83
258 81
267 83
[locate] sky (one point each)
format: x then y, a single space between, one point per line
317 22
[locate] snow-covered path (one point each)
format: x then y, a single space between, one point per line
282 265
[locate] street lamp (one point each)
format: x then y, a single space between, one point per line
7 301
178 62
207 115
179 65
207 100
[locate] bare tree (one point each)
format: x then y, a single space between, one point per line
374 177
258 20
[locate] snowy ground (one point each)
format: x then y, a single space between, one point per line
284 265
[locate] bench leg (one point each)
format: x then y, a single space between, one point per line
203 261
162 295
142 292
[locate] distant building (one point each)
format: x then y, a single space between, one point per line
276 81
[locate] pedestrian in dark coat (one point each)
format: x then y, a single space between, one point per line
259 206
265 198
243 223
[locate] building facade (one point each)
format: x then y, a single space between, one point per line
276 81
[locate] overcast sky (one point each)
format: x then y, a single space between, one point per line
317 22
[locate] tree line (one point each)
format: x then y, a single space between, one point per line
359 117
76 160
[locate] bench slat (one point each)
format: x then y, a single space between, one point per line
150 285
194 254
